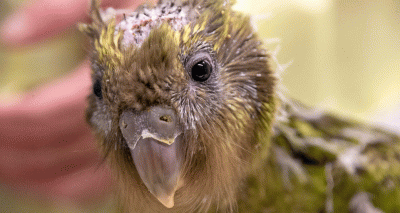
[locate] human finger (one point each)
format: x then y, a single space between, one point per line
42 19
47 113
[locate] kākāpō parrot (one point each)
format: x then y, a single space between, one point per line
186 110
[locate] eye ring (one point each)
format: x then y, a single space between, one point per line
97 89
200 67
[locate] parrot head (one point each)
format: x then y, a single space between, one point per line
182 94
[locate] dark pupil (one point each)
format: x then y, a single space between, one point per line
97 89
201 71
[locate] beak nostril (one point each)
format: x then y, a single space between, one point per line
166 118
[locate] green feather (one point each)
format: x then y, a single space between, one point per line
322 163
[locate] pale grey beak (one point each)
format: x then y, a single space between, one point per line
155 140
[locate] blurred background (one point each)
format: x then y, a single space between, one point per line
343 56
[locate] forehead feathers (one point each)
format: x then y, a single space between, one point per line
138 25
188 19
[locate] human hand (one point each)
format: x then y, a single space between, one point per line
41 19
46 146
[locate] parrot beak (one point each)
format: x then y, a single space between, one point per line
159 167
155 141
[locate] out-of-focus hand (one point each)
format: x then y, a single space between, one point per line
41 19
46 147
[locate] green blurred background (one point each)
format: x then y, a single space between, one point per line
345 58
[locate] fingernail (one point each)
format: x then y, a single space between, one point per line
15 29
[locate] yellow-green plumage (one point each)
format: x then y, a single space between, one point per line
238 155
322 163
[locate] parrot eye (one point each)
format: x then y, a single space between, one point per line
97 89
201 71
200 67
